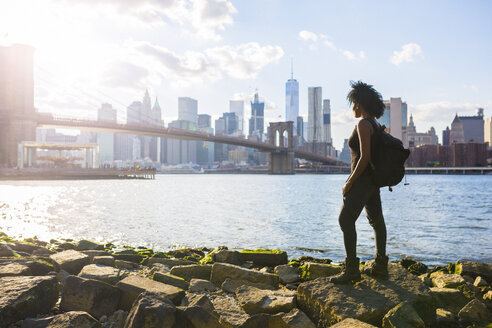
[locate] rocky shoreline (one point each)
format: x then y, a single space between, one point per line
86 284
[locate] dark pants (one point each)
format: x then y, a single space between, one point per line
363 194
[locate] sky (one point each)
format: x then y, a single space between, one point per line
435 55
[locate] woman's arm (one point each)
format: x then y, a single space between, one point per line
364 129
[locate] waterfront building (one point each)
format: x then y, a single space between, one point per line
105 140
315 115
239 155
300 129
345 153
204 121
155 142
187 109
417 139
257 120
446 134
326 121
204 149
237 107
181 151
292 101
488 131
473 127
395 119
456 134
463 154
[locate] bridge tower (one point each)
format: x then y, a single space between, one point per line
17 114
282 135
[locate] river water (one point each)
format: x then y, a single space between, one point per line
435 219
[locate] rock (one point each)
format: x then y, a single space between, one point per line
316 270
402 316
227 256
445 318
221 271
198 300
201 285
26 296
231 314
254 300
117 319
6 251
199 317
230 285
352 323
474 269
264 320
470 290
286 273
448 280
87 245
62 276
93 253
426 280
480 282
448 298
122 264
267 270
160 267
42 252
40 267
475 312
188 272
14 269
24 247
297 319
132 286
92 296
368 300
73 319
70 261
170 279
151 310
418 268
167 261
104 273
488 295
107 260
66 246
265 257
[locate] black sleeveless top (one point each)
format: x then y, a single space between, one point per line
353 143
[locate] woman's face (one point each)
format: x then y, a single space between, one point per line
357 110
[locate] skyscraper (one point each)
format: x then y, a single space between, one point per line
446 134
257 120
292 101
473 127
395 119
300 128
326 121
315 115
237 107
456 135
488 131
105 140
187 109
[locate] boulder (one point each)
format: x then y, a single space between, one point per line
24 247
92 296
14 269
201 285
480 282
122 264
43 252
170 262
93 253
199 317
297 319
475 312
230 285
39 267
254 300
230 313
286 273
188 272
445 318
264 320
70 261
132 286
368 300
87 245
227 256
104 273
6 251
26 296
200 300
474 269
170 279
151 310
221 271
117 319
402 316
265 257
352 323
448 280
449 298
104 260
425 279
73 319
313 270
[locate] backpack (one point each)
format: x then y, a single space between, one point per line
387 157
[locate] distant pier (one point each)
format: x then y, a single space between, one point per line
448 170
76 174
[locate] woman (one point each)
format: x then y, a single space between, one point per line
359 190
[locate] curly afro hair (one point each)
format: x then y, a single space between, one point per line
365 95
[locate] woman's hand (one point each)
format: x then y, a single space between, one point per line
346 187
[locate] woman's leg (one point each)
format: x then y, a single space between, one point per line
374 214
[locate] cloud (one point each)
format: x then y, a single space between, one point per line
407 54
125 74
314 40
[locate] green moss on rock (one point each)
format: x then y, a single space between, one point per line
263 251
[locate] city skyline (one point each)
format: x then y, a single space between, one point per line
216 51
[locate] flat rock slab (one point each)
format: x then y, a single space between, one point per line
99 272
287 274
352 323
14 269
132 286
170 262
231 314
317 270
474 269
254 300
222 271
193 271
152 310
75 319
227 256
170 279
297 319
402 315
201 285
448 280
6 251
26 296
230 285
449 299
368 300
70 261
265 259
104 260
